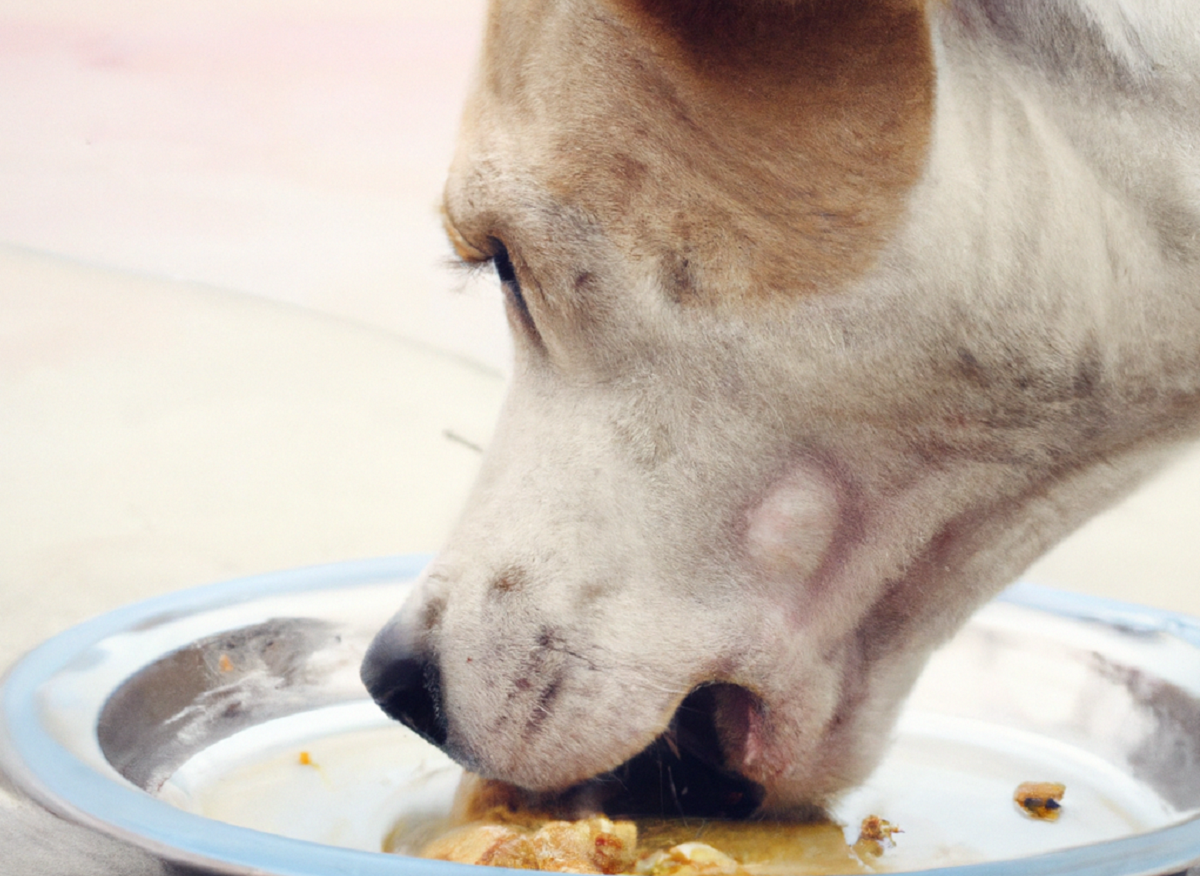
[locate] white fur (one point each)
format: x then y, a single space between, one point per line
804 498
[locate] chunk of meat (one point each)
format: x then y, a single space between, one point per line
1040 800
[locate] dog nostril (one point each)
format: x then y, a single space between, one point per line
405 683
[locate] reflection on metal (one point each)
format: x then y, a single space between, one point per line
212 688
163 697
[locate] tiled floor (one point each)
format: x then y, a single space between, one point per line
293 151
221 289
158 435
169 172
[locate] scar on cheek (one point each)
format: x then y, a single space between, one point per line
790 529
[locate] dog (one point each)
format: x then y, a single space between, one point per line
829 316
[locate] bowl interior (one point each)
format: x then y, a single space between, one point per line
235 713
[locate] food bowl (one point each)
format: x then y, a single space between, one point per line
225 727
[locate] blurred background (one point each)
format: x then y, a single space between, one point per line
229 339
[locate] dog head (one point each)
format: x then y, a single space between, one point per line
773 430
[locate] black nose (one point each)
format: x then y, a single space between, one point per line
405 682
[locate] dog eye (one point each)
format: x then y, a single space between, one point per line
508 280
494 252
504 267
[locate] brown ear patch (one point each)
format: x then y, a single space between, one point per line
754 147
741 150
806 123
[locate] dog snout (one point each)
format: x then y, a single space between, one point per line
405 681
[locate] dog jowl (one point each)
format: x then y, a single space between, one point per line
829 318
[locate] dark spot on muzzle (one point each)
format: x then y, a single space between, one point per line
509 580
405 682
682 774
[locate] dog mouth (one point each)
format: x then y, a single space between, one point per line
682 774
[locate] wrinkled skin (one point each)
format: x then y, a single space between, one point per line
782 416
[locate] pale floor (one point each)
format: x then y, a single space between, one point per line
222 297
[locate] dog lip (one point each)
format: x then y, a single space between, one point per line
682 773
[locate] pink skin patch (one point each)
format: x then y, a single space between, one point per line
789 534
790 530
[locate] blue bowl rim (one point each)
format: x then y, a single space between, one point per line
56 778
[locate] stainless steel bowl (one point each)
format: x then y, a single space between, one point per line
226 727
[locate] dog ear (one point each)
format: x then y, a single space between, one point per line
758 33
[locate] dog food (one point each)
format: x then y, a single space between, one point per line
493 827
875 837
589 845
1040 799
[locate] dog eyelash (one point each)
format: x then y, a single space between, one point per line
495 256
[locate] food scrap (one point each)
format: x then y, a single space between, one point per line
306 759
1040 800
875 837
